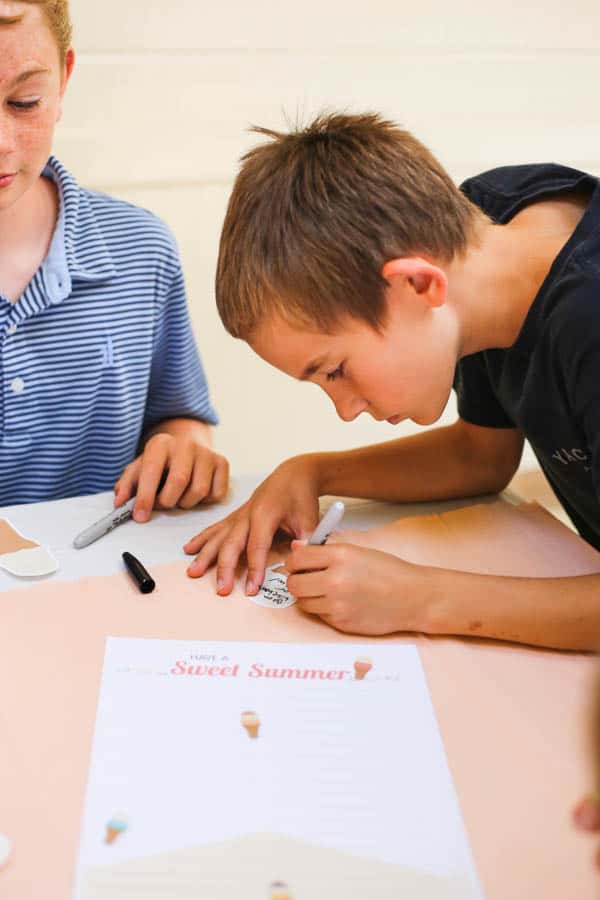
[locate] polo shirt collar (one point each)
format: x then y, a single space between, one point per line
78 251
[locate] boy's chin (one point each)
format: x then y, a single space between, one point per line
430 414
428 417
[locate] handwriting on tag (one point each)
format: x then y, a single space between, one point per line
274 593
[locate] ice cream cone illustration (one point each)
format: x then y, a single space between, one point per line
362 667
115 827
280 891
251 723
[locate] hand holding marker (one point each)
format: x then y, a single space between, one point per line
328 524
140 575
108 523
105 525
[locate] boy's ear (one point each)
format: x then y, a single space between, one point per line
425 278
68 67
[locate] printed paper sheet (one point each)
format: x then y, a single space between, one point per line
269 771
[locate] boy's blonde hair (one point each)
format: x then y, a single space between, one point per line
59 20
315 214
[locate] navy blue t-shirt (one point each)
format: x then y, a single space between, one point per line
548 383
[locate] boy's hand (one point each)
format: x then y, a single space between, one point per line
195 473
288 499
358 589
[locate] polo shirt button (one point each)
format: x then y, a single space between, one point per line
12 329
17 386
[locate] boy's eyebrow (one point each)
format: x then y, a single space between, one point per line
311 368
29 74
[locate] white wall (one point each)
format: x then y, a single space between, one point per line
165 89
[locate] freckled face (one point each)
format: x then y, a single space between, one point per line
32 84
403 372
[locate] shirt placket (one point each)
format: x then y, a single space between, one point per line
17 367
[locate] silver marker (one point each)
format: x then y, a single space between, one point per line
103 526
328 524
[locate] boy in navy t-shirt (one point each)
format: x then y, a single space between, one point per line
350 259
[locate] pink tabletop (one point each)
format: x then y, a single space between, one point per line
512 721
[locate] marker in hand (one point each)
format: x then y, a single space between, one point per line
111 521
328 524
104 526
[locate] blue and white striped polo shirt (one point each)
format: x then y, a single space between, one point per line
97 350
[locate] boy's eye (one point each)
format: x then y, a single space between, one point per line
24 104
337 373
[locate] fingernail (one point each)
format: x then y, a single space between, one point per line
220 584
141 515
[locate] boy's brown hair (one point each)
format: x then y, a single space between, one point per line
59 20
315 214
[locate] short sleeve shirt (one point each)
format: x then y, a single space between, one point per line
548 383
98 349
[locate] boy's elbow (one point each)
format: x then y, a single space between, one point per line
498 480
492 455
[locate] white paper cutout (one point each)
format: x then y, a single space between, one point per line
30 563
5 850
21 556
274 593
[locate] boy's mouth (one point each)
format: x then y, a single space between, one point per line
394 420
7 179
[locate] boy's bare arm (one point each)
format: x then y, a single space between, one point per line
563 613
460 460
333 581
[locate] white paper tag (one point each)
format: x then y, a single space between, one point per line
33 562
274 593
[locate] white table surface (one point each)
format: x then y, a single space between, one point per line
56 523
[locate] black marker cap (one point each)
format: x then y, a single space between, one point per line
142 578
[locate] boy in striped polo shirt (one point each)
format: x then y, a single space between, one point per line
98 355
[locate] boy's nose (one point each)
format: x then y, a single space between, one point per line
7 136
349 408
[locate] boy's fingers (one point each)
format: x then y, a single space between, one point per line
125 486
197 542
220 483
305 557
304 523
153 464
316 606
229 555
307 586
259 544
122 494
200 486
178 480
205 558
